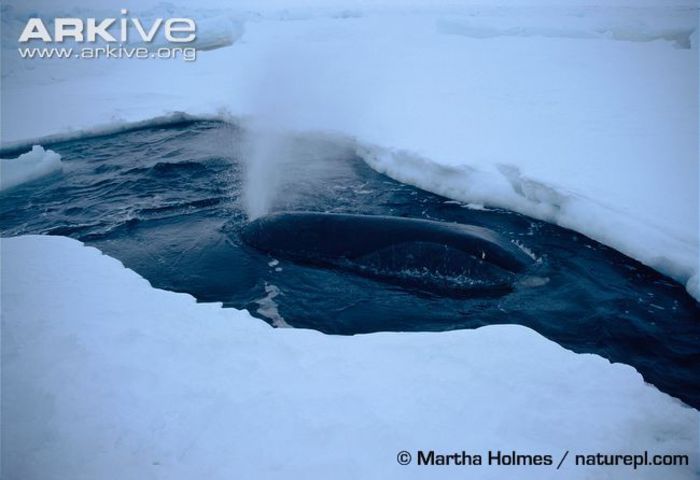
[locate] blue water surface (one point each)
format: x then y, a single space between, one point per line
167 202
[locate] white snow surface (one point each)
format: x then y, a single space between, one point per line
106 377
584 116
28 167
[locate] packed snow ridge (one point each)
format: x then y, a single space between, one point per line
106 377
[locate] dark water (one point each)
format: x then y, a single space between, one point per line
167 203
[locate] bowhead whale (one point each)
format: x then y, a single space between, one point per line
434 256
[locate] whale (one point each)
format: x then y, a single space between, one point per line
425 254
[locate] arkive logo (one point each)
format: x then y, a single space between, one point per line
123 37
176 30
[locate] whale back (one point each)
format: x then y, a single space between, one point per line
408 250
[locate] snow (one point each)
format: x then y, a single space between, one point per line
29 166
106 377
577 114
584 116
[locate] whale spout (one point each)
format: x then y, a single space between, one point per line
433 256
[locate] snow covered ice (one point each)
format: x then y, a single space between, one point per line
29 166
106 377
584 116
